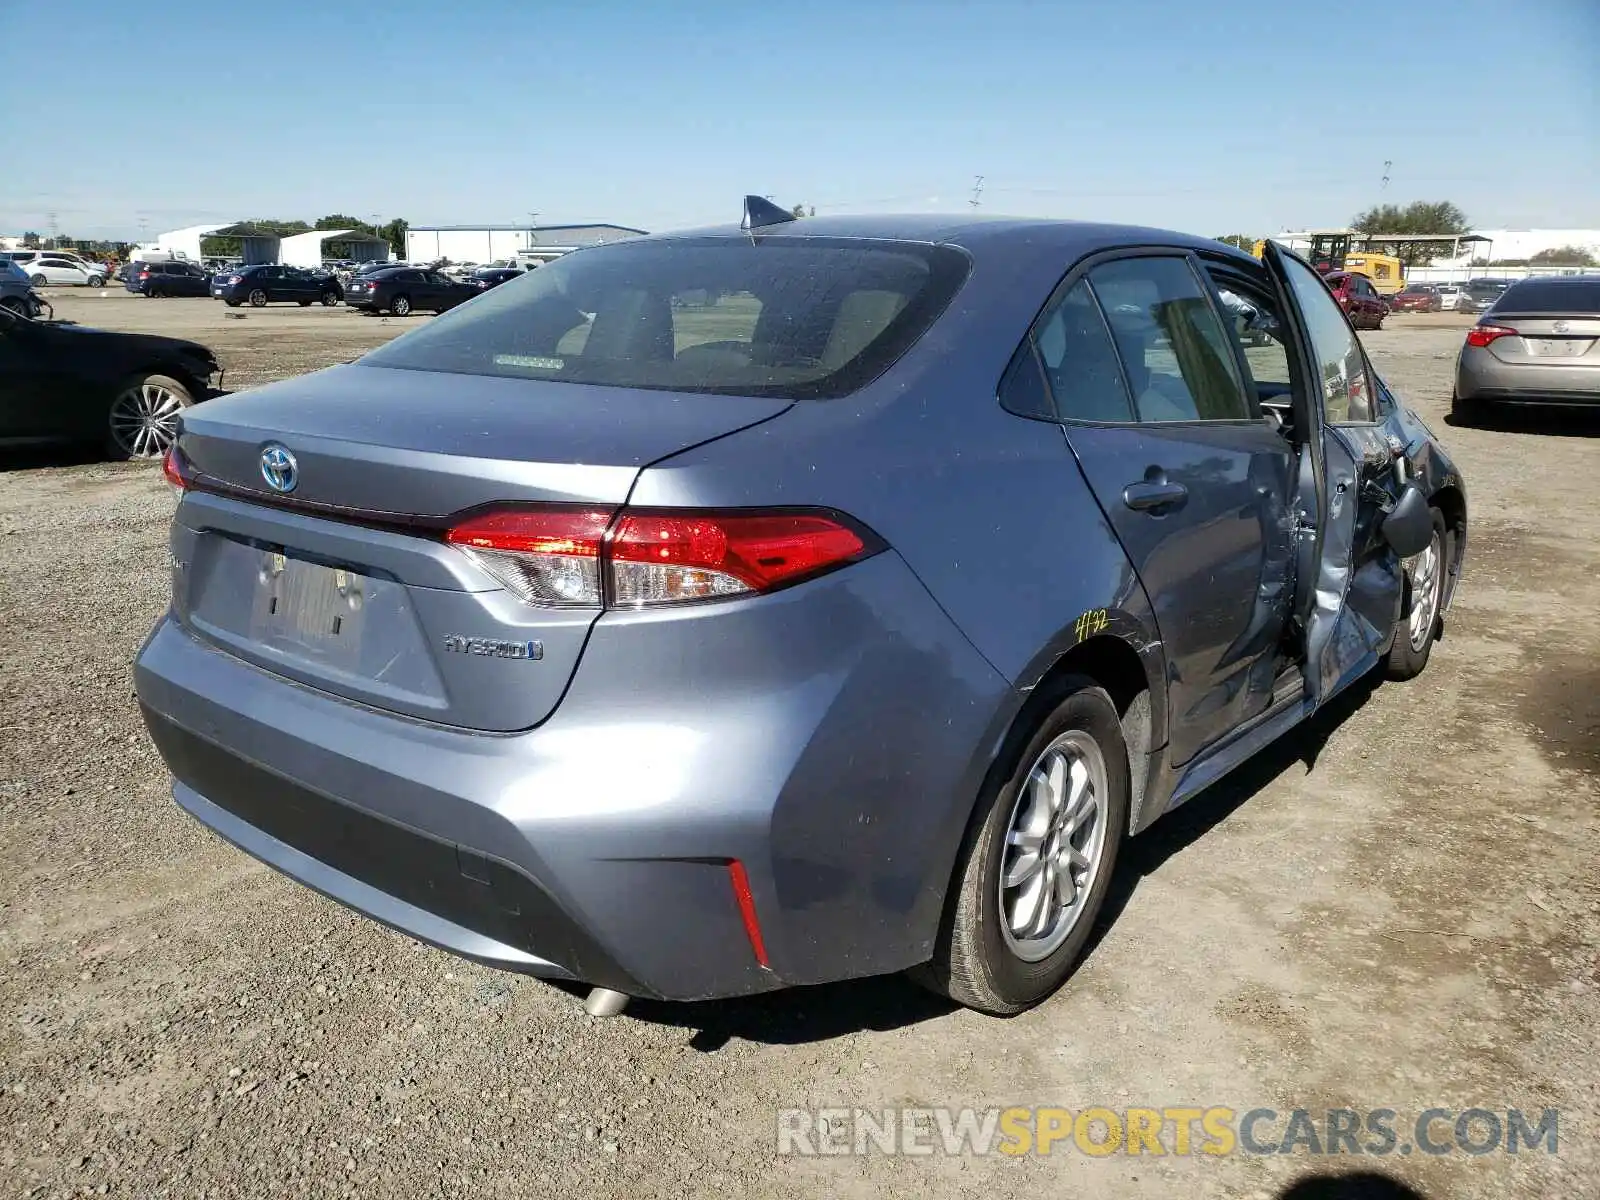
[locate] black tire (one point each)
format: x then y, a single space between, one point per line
400 306
231 303
39 281
303 303
258 298
974 962
97 281
329 299
1407 659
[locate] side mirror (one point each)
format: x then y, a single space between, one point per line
1408 526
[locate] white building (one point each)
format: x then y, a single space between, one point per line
486 243
1525 243
305 249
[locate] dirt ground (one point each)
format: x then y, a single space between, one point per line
1393 908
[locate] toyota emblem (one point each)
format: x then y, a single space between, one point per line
278 468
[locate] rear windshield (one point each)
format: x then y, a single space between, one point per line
1539 295
791 317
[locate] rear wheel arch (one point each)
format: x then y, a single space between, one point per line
1117 668
1110 662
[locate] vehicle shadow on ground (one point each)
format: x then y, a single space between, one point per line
38 458
1551 422
1147 853
887 1002
1356 1185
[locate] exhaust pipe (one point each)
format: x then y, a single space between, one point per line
604 1002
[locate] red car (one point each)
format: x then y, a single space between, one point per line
1417 297
1359 299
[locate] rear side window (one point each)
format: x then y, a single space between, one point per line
1175 354
793 317
1538 295
1080 360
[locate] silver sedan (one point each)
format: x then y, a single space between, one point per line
1539 344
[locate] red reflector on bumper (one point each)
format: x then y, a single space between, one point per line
747 909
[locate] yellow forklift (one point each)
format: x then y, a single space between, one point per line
1345 250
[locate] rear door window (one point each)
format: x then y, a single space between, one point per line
1175 354
797 317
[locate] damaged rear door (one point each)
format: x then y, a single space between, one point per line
1352 583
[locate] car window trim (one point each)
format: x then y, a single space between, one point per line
1187 254
1079 271
1361 346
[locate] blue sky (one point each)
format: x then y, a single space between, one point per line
1226 116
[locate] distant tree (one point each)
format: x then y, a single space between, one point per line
1427 217
30 240
1564 256
799 210
1239 240
1420 216
395 232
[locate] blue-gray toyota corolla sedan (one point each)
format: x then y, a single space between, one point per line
765 605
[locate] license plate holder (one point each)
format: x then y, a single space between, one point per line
1557 347
310 607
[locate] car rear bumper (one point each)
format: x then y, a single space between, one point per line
1482 376
831 739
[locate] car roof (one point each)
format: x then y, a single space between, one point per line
987 234
988 237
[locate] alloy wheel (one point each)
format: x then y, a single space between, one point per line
1423 570
1055 845
144 420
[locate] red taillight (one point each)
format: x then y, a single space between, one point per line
663 557
175 469
564 556
1482 335
144 274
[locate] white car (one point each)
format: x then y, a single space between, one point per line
1449 296
24 258
51 268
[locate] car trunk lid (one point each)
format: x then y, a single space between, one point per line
345 583
1556 338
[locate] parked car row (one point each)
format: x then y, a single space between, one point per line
1357 296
